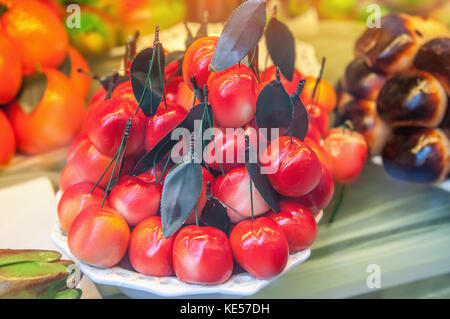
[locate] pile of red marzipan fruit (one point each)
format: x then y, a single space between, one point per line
129 221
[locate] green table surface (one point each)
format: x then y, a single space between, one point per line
402 228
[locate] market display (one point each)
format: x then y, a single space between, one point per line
196 220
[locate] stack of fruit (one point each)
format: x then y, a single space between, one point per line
396 93
194 218
41 90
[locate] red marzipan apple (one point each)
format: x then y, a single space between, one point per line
197 59
232 94
99 236
294 169
260 247
347 151
234 190
106 123
321 195
163 122
297 224
202 255
75 199
136 197
149 252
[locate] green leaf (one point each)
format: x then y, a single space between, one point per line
181 191
32 92
68 294
11 256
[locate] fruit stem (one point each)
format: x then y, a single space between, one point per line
130 49
196 215
197 92
105 171
206 109
247 148
278 76
274 11
111 85
338 203
300 87
163 171
318 80
122 146
348 125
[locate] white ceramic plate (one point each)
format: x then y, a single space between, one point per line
445 185
136 285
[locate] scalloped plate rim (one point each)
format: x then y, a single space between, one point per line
238 285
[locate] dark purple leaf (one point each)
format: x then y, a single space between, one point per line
148 83
214 214
274 108
281 46
260 181
181 191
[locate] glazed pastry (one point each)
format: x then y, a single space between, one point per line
361 81
417 154
392 48
412 99
366 121
434 57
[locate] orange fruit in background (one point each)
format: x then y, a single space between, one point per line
36 32
56 119
325 94
10 71
82 82
7 139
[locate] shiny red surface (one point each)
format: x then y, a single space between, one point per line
105 125
89 163
75 199
291 86
234 190
318 117
297 224
260 247
207 177
321 195
232 95
149 252
202 255
197 59
162 123
99 236
296 166
347 151
231 144
136 197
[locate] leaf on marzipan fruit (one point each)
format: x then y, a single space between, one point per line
241 33
33 89
281 46
181 191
